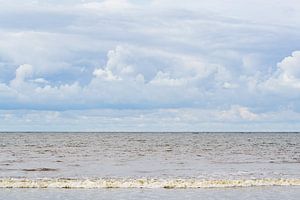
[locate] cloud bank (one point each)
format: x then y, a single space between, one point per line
237 63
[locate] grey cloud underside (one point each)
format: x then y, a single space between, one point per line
149 55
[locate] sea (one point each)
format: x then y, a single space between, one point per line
137 166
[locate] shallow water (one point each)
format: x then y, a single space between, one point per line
150 160
264 193
135 155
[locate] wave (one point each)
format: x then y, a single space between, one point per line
142 183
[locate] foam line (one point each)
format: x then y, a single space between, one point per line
142 183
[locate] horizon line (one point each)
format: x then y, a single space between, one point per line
193 132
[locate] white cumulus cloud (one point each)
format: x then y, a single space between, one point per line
287 75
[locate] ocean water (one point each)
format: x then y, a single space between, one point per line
149 165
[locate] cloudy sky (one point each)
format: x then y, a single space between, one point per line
149 65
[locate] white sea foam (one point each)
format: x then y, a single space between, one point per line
142 183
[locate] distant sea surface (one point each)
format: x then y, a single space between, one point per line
149 166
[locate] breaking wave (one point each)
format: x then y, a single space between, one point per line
142 183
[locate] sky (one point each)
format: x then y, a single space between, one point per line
149 65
